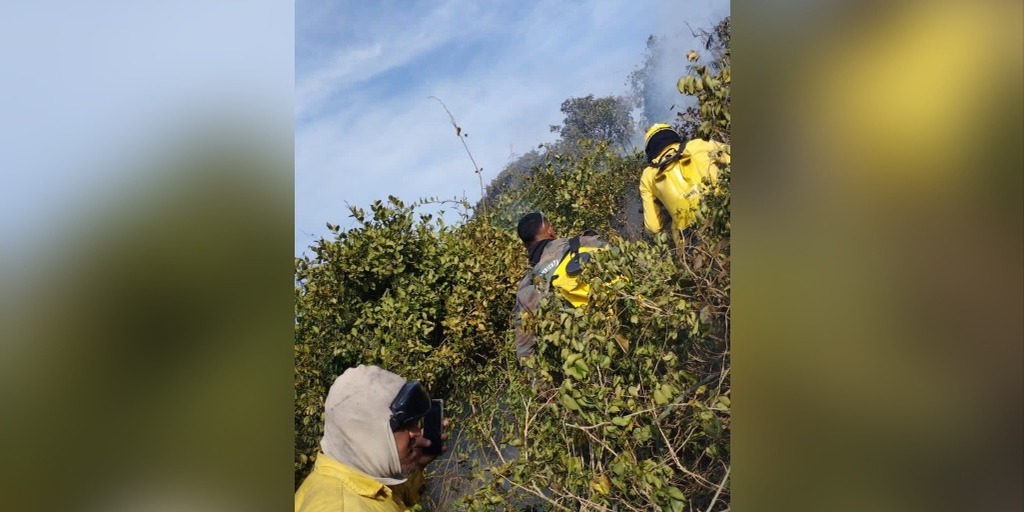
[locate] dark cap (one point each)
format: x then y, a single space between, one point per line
529 226
658 138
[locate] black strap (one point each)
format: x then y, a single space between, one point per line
669 159
574 245
571 249
575 265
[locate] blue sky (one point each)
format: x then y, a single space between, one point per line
365 127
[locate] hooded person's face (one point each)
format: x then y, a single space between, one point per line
405 441
357 428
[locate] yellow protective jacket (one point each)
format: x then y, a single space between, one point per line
678 186
335 487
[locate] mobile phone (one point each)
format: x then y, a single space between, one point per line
432 426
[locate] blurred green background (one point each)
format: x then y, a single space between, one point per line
146 266
877 256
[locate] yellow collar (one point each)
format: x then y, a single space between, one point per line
357 481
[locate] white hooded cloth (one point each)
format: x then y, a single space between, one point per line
357 431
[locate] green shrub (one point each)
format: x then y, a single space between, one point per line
409 294
625 403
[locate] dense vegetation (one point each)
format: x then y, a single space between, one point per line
626 405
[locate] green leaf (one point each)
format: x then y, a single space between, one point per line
659 397
676 494
570 403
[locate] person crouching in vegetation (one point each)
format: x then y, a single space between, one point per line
672 184
372 451
555 263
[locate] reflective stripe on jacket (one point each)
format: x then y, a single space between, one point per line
528 296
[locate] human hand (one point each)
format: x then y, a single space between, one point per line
419 443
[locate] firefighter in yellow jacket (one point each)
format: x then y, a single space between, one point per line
372 456
674 176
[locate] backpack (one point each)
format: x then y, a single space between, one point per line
564 279
559 274
684 176
671 156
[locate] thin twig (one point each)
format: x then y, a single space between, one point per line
672 451
476 168
498 451
682 396
603 423
724 372
595 438
535 492
668 444
719 491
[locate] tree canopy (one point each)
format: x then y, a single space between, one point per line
601 119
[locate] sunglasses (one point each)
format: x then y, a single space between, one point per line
410 405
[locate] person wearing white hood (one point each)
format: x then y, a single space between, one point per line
372 440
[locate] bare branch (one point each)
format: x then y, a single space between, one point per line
476 168
719 491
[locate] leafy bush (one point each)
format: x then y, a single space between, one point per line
711 84
411 295
625 403
579 186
